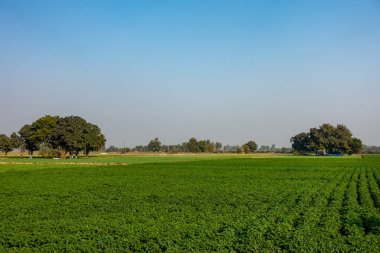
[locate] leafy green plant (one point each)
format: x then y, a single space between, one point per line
291 204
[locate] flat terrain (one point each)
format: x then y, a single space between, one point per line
135 158
191 203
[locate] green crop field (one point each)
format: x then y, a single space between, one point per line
133 159
191 203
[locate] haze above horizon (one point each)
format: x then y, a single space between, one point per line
229 71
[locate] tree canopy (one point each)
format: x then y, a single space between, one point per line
154 145
70 134
327 139
250 147
30 143
5 144
16 141
192 145
195 146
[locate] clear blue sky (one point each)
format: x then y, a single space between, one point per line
228 71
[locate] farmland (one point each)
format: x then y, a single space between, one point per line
193 203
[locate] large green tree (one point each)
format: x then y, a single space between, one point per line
154 145
42 130
202 146
326 138
38 134
343 139
26 134
252 146
5 144
193 146
301 142
70 134
356 146
73 134
16 141
93 138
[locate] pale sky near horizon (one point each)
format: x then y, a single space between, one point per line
225 70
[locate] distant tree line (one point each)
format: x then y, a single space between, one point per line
371 149
193 146
55 136
327 139
200 146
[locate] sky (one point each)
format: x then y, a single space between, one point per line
225 70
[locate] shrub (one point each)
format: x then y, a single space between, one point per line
50 153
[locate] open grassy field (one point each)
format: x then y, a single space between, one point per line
192 203
135 158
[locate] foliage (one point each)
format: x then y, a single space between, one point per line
5 144
205 146
193 146
112 148
327 138
356 146
70 134
246 149
8 144
230 205
50 153
154 145
300 142
16 141
42 130
26 133
38 134
202 146
218 146
93 138
252 146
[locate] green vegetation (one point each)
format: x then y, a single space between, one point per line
56 137
5 144
154 145
250 147
191 146
128 159
327 139
158 203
